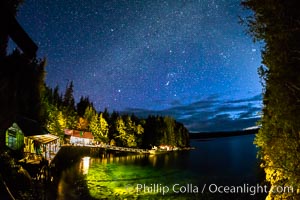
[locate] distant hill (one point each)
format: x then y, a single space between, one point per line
205 135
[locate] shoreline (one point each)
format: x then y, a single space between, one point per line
220 134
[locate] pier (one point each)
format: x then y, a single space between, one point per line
125 149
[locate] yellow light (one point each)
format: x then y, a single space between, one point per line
85 165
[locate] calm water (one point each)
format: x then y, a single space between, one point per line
178 175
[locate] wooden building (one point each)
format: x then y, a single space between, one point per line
27 137
79 137
46 145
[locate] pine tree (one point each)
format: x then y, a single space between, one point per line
112 125
99 128
71 117
94 127
89 113
170 130
57 98
106 115
103 128
56 122
120 134
83 103
68 100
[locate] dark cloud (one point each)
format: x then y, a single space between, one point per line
252 99
211 114
221 123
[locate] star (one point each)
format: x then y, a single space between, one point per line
149 51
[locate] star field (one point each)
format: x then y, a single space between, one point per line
154 56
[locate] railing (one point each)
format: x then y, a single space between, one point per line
117 148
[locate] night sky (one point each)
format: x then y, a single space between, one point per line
185 58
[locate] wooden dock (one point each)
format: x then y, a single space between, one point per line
38 165
126 149
114 148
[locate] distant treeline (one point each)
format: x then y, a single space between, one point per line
59 112
205 135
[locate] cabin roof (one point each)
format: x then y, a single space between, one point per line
82 134
79 134
44 139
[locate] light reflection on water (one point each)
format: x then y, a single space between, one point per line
116 175
85 165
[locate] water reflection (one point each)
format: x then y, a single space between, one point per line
85 165
168 160
153 160
116 175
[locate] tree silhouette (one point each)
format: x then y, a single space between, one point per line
21 74
83 103
7 7
276 23
21 85
68 100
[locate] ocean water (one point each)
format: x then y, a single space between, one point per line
221 168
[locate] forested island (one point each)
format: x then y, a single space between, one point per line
60 112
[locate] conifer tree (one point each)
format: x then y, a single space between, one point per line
89 114
56 121
94 127
68 100
103 128
120 134
83 103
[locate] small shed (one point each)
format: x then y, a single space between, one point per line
14 137
17 132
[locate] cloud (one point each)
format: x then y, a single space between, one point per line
251 99
211 114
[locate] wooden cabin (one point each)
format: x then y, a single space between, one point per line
45 145
82 138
